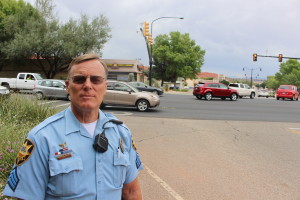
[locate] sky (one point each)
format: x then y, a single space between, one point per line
230 31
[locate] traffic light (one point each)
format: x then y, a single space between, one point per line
280 57
146 29
255 57
150 40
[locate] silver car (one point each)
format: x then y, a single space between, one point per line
122 94
51 88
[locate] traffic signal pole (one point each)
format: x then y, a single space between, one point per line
149 53
280 57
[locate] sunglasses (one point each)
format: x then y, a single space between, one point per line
82 79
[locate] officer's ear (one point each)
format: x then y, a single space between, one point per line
67 82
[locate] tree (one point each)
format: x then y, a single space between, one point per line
263 84
51 45
272 83
176 55
289 73
225 82
13 15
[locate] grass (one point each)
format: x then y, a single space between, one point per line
18 115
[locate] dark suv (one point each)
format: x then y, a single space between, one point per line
218 90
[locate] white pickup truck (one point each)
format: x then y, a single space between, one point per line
24 81
243 90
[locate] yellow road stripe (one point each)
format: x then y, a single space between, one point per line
294 130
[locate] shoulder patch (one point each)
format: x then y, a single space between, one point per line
138 161
13 179
133 144
25 152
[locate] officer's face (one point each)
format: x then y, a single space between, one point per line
87 85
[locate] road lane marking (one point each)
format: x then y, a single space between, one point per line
48 102
62 105
163 184
121 113
295 130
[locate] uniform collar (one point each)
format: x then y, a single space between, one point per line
73 124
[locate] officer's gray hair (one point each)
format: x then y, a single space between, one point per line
86 57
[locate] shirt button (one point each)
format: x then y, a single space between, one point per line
99 182
99 160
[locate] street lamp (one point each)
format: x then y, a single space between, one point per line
251 73
151 58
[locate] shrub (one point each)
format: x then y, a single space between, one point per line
18 115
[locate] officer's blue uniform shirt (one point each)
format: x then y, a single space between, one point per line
42 171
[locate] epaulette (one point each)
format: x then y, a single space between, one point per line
115 120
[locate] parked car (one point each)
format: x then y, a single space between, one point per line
144 87
263 93
4 92
122 94
50 88
215 90
171 87
287 91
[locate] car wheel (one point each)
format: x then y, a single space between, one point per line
68 97
208 96
252 95
293 98
277 98
233 97
199 96
39 95
142 105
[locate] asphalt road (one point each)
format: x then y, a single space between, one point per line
187 106
211 150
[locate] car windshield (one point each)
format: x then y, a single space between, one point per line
119 86
223 86
138 84
133 88
39 76
284 87
247 86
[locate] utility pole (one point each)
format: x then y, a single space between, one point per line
252 69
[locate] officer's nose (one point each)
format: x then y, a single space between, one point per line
87 84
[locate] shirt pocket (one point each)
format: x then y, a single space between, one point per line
63 174
121 162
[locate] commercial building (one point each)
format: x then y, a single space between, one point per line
121 69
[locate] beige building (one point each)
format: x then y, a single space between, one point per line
120 69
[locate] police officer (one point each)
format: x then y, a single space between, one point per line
81 152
